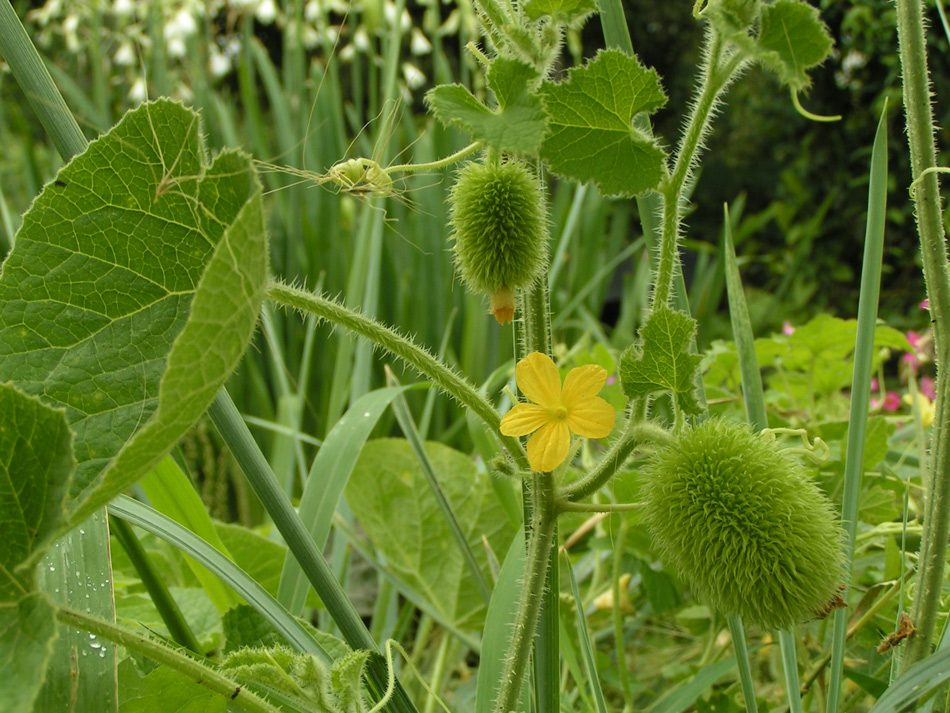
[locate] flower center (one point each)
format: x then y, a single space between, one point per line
559 412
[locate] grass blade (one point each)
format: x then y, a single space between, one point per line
684 696
861 382
919 680
409 430
139 514
248 454
587 651
742 660
786 639
328 477
502 611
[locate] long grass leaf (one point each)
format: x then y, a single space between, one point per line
861 383
164 527
248 454
499 621
328 476
919 680
587 651
684 696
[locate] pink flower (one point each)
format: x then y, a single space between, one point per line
924 305
914 339
927 388
911 360
787 328
611 380
891 402
874 384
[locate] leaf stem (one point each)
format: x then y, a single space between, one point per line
636 432
191 668
716 72
402 347
440 163
920 138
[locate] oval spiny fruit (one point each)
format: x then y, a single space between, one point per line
499 222
736 518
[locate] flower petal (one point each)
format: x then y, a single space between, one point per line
591 417
539 379
548 448
523 419
582 382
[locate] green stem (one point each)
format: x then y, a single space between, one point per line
715 76
920 138
635 433
617 617
435 165
568 506
247 453
540 546
161 598
403 348
189 667
737 632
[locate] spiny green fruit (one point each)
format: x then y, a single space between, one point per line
499 222
736 518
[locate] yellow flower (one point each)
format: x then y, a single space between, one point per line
557 411
928 409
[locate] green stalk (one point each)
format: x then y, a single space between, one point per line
161 598
920 138
537 496
402 347
716 72
248 454
163 654
540 544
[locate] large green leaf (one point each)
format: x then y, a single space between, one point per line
36 461
27 630
132 291
591 136
394 504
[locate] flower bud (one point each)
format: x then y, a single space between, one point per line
736 518
499 222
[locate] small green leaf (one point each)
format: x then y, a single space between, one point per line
164 690
564 12
592 137
519 123
132 292
793 40
36 462
245 627
663 362
395 506
27 631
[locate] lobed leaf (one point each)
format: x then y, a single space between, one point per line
793 39
564 12
517 126
27 632
592 137
662 362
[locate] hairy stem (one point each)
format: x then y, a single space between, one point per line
540 546
716 72
195 670
920 138
434 165
635 433
403 348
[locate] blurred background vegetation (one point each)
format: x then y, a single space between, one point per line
305 83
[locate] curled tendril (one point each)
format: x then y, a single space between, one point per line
817 450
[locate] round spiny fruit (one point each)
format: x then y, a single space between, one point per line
499 221
736 518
